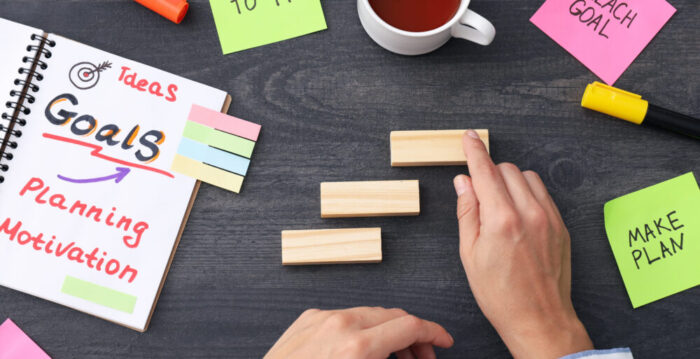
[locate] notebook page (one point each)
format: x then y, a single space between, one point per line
136 115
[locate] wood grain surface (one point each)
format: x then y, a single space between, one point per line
430 147
332 246
327 103
370 199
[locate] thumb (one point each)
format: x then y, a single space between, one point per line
467 214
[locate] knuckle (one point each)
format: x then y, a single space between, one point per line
398 311
412 322
508 221
356 346
338 320
508 167
465 207
309 312
483 167
537 218
531 174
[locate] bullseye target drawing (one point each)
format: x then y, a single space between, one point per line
85 75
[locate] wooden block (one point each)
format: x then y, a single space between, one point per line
331 246
430 148
370 199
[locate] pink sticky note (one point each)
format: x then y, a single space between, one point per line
224 122
605 35
14 344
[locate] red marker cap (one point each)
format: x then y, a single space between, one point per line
173 10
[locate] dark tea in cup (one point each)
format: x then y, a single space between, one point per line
415 15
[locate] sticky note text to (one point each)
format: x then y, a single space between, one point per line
245 24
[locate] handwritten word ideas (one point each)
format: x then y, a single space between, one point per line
605 35
141 84
245 24
654 234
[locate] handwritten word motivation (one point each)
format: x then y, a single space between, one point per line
86 125
95 259
660 236
251 4
40 191
143 85
601 12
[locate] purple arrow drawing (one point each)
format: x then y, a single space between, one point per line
117 177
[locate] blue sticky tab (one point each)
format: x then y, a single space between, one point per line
213 156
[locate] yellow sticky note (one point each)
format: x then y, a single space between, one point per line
208 174
244 24
654 234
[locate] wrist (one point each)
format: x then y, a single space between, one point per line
552 339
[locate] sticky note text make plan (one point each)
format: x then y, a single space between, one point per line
654 234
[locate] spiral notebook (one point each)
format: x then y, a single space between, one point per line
90 212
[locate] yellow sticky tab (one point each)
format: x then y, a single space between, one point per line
615 102
208 174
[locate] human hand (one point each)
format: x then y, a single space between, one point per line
363 332
516 252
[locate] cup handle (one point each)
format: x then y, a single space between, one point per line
474 27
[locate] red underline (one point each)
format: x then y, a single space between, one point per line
96 152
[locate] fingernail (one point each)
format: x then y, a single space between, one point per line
473 134
451 338
460 185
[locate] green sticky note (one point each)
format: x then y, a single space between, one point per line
244 24
654 234
98 294
219 139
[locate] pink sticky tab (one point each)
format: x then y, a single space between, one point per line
605 35
14 344
224 122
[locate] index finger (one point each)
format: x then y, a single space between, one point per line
367 317
487 181
402 332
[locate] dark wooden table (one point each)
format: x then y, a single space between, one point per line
327 103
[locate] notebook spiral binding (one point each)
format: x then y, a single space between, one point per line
21 98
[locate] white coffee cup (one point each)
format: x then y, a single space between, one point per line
466 24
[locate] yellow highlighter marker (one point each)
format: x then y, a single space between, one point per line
631 107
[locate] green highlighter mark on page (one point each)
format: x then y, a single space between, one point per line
654 234
98 294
